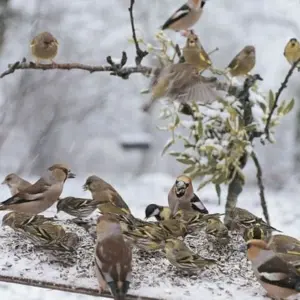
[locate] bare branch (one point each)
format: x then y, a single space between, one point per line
114 69
140 54
261 187
65 288
277 95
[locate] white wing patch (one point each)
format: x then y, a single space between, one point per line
273 276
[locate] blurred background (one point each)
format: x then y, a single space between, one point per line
83 119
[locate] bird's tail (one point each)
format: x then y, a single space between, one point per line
119 291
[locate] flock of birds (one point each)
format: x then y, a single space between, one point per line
275 258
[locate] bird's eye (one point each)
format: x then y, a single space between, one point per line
248 246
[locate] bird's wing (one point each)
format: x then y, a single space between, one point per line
115 198
177 15
198 205
113 258
32 193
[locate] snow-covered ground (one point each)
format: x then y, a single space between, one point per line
153 188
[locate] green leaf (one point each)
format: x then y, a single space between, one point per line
289 107
218 191
145 91
190 169
173 153
271 99
167 146
281 107
177 121
200 129
185 161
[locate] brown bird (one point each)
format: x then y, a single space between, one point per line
278 276
44 47
186 16
182 82
182 196
194 53
18 220
113 258
77 207
15 183
42 194
109 199
243 62
285 244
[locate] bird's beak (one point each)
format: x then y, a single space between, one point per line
85 187
71 175
3 182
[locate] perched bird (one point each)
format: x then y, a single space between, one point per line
77 207
257 232
15 183
285 244
152 236
18 220
183 258
186 16
243 62
159 212
41 195
113 258
242 218
216 232
279 277
44 47
182 82
292 51
50 236
110 201
194 53
181 196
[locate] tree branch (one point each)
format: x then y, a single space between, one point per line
66 288
277 95
261 187
140 54
113 68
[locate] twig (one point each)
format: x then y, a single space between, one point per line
140 54
261 187
213 51
277 95
65 288
123 72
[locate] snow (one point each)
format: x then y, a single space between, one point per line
231 279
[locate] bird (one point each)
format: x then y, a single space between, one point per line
180 256
113 258
292 51
110 201
194 53
181 82
186 16
50 236
77 207
243 62
159 212
42 194
242 218
257 232
44 47
182 196
216 232
15 183
285 244
152 236
279 277
16 220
